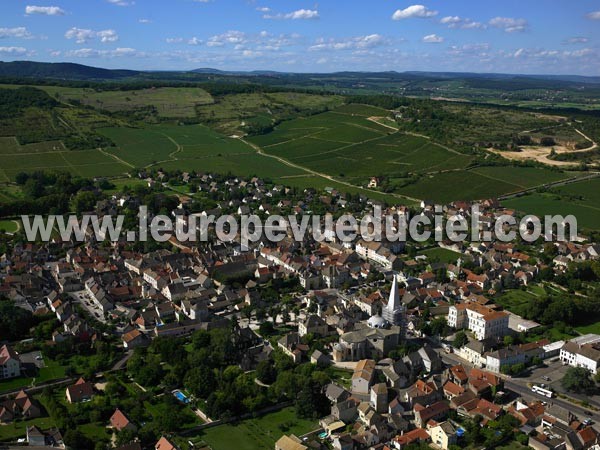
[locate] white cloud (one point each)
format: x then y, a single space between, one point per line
576 40
83 35
121 2
93 53
300 14
144 21
13 51
594 15
17 32
551 55
433 39
194 41
174 40
509 24
230 37
413 11
460 22
353 43
263 9
44 10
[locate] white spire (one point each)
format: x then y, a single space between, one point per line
394 300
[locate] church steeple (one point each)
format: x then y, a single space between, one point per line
394 299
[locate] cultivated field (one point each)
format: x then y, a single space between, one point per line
169 102
345 144
234 113
580 199
480 183
15 158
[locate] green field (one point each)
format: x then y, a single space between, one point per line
581 199
441 254
479 183
86 163
255 434
345 144
234 113
169 102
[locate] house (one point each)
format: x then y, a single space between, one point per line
482 382
583 351
443 435
515 354
82 391
165 444
35 436
363 376
290 442
345 410
320 359
336 393
313 325
131 446
379 397
22 406
10 363
423 393
120 422
416 436
134 338
436 411
290 344
343 442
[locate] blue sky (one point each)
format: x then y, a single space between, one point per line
524 36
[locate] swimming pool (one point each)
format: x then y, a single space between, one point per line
181 396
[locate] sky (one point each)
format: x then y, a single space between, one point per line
502 36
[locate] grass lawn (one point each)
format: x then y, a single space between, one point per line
52 371
341 376
10 226
590 328
441 254
15 430
256 434
95 431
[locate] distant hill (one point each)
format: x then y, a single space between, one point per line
65 71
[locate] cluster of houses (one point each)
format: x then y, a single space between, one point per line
366 298
429 408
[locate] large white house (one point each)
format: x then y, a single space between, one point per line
583 351
484 322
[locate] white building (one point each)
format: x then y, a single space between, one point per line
583 351
483 322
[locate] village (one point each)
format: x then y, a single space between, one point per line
417 350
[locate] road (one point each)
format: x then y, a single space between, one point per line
520 387
526 393
260 152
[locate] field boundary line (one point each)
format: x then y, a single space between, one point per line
374 120
69 164
178 149
116 158
259 150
